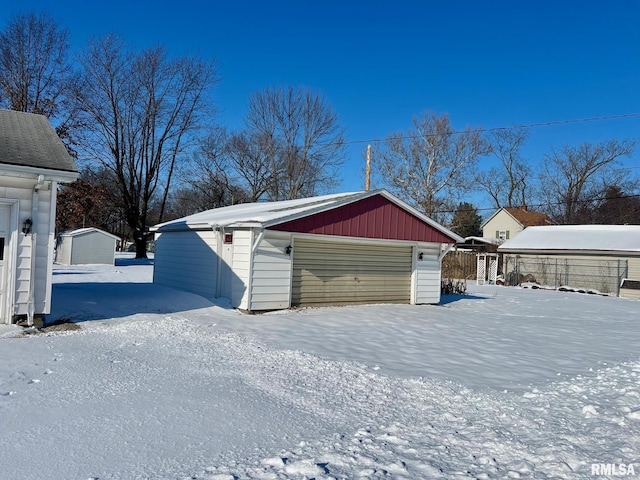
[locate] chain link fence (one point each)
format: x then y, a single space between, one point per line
588 275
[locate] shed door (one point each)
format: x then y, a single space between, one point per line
341 273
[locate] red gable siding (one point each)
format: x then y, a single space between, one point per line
372 217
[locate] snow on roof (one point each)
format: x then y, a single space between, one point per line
610 238
268 214
257 214
487 240
81 231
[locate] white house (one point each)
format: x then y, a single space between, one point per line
85 246
350 248
33 161
507 222
603 258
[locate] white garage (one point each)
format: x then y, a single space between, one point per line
353 248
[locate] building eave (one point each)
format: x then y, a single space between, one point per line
23 171
497 212
324 207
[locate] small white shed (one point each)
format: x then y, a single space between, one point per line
86 246
350 248
33 161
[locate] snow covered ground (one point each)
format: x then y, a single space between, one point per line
163 384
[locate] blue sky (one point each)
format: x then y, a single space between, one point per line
485 63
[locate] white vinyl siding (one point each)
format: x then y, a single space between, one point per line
21 190
501 222
63 252
94 247
427 275
634 268
88 247
347 273
271 274
187 261
240 268
43 252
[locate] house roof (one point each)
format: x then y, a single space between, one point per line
28 141
83 231
582 238
272 214
524 217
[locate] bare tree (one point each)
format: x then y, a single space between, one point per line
209 181
572 179
300 140
35 71
140 110
240 161
618 207
33 63
430 166
248 157
507 184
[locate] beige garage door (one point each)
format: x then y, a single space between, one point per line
341 273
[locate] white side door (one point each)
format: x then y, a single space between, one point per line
5 237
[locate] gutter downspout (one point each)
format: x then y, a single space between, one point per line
31 307
219 236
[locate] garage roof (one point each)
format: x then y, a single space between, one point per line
347 214
592 238
85 230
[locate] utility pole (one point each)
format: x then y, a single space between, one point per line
368 171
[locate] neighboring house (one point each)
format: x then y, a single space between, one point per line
33 161
508 222
351 248
86 246
602 258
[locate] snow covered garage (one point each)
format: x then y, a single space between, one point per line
601 258
350 248
86 246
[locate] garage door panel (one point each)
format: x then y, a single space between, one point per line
323 274
333 273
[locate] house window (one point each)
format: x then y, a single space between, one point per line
502 235
228 238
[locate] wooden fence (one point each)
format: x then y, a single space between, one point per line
459 264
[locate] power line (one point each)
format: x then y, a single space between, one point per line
539 205
496 129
